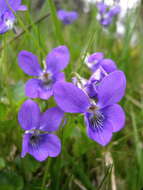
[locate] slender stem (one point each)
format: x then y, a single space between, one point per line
45 174
23 31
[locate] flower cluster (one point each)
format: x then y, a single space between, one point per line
107 13
97 99
38 140
8 8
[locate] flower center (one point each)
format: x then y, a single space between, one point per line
46 77
96 121
93 108
34 139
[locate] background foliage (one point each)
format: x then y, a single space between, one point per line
82 164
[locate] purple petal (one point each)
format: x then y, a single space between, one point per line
70 98
45 145
53 144
5 5
106 21
3 28
111 89
108 65
59 77
22 8
102 7
29 63
58 59
95 57
115 116
28 115
25 144
73 16
94 61
51 119
7 21
35 88
61 14
115 10
91 89
14 4
101 135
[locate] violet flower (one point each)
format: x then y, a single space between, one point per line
38 140
67 17
7 10
103 116
42 86
106 13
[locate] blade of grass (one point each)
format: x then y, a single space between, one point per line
138 149
56 23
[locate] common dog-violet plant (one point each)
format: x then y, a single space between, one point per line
42 85
103 116
7 10
89 149
97 98
67 17
38 140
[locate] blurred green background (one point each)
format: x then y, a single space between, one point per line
82 164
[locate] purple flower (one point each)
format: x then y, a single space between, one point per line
7 10
103 116
42 86
114 11
102 7
67 17
38 140
106 13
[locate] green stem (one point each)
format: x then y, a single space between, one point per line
45 174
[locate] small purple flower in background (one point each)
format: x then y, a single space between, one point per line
42 86
38 140
106 13
103 116
67 17
7 10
